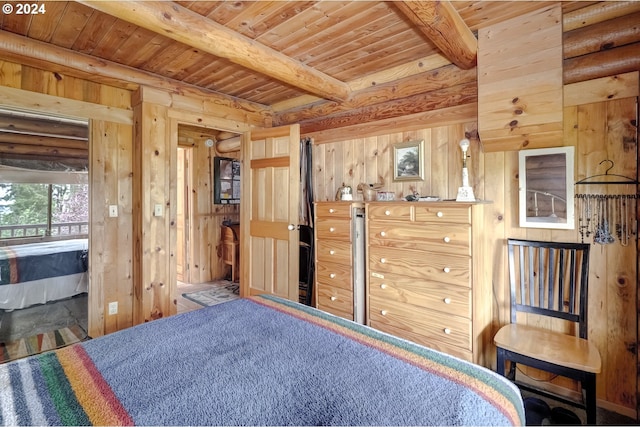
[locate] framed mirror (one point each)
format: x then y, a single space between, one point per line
546 188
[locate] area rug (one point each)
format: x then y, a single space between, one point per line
39 343
218 293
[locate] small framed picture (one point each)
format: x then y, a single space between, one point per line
408 161
546 190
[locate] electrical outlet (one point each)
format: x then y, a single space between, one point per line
113 211
113 307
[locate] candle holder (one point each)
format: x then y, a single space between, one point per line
465 193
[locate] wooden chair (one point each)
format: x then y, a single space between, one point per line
550 279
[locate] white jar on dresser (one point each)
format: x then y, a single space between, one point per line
427 278
339 259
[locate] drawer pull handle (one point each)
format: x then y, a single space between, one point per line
383 286
331 210
447 300
382 233
383 260
331 229
383 312
387 212
332 275
332 252
446 270
334 298
447 331
447 239
439 214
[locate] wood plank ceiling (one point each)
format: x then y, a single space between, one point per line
309 62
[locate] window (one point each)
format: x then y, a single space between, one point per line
32 210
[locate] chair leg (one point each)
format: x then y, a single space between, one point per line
589 386
500 361
512 371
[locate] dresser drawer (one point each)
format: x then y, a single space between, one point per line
334 251
428 266
449 299
333 210
390 211
427 212
338 229
434 326
421 339
447 237
334 274
335 300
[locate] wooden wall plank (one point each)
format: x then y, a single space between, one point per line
443 173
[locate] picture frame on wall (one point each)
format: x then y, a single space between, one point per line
226 181
546 190
408 161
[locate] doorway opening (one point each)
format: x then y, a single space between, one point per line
199 221
44 230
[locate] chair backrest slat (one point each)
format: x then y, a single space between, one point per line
572 281
549 279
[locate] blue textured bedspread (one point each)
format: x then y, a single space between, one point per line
35 261
255 361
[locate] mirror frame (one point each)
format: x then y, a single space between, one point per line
568 193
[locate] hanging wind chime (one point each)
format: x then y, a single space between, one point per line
601 216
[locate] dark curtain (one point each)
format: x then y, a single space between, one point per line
306 222
306 182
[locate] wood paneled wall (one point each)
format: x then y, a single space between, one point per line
370 160
111 171
599 129
117 262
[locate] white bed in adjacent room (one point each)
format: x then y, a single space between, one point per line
37 273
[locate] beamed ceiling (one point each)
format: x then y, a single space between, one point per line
319 63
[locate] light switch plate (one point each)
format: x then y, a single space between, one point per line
113 211
157 210
113 307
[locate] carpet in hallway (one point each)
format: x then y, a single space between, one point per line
218 293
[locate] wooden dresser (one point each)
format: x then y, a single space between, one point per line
336 255
427 280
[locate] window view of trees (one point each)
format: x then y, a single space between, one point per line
25 209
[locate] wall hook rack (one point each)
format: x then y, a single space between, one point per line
620 179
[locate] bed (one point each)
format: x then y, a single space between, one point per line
260 360
37 273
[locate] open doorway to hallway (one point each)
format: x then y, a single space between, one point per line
199 221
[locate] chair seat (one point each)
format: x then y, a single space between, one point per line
549 346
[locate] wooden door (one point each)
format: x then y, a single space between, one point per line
269 212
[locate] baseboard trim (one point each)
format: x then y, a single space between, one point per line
619 409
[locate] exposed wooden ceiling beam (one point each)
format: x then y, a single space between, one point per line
427 82
32 124
188 27
441 23
464 93
398 72
42 140
45 56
